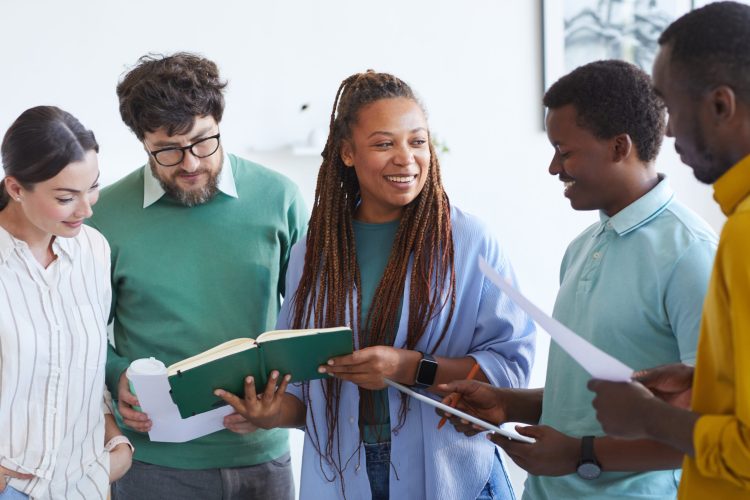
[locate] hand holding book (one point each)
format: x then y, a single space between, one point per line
264 410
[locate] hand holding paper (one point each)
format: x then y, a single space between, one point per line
595 361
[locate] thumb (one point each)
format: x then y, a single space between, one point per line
532 431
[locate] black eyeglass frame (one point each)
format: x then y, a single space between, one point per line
182 150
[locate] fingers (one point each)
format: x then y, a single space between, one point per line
235 402
238 424
134 419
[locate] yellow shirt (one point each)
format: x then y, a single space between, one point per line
721 388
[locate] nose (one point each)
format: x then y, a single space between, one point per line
403 155
83 209
190 162
555 167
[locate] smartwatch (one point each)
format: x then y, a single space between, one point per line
588 467
426 371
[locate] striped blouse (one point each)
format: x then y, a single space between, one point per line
52 355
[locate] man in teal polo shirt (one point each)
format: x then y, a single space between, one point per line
632 284
200 241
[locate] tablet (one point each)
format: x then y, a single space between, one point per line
469 418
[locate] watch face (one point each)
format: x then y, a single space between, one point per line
426 372
589 470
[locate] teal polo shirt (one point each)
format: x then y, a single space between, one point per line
632 285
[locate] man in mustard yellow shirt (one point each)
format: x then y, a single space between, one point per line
703 73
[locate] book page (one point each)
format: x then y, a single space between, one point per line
222 350
598 363
285 334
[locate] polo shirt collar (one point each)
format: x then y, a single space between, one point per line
152 190
641 211
733 187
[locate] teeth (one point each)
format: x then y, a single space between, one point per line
394 178
569 184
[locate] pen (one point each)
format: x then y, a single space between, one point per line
457 397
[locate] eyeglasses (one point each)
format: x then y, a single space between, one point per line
169 157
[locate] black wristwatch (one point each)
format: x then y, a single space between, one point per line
426 371
588 466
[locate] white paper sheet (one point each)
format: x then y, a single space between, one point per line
151 387
595 361
510 434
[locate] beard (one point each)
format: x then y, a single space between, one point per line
192 197
712 166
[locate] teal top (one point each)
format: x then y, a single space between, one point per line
374 243
632 285
186 279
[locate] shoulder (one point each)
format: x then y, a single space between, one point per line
468 229
686 222
91 240
251 176
125 193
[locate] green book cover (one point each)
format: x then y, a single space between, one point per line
297 352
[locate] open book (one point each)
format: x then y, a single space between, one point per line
296 352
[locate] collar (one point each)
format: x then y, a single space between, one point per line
641 211
152 190
60 246
733 187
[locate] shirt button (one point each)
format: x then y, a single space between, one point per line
609 225
351 420
597 255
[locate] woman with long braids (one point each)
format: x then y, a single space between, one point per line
387 254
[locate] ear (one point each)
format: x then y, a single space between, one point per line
13 187
622 147
347 153
723 103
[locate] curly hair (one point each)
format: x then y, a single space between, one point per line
611 98
710 46
169 92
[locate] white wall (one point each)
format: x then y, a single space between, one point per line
475 64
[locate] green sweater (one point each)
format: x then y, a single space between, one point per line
186 279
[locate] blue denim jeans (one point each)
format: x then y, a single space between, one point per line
11 494
378 458
498 486
271 480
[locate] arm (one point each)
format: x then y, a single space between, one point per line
499 337
121 456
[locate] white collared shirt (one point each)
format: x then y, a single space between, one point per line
152 190
53 349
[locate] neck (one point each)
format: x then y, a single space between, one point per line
13 220
642 180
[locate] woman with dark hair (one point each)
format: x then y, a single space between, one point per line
388 254
59 438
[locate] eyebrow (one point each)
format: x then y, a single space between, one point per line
390 134
76 191
200 135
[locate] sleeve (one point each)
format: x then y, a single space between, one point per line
284 321
297 218
722 441
685 293
504 335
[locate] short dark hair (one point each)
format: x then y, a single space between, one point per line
611 98
40 143
170 91
711 46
